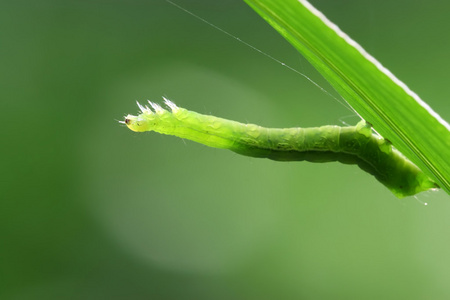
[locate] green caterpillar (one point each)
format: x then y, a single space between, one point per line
349 145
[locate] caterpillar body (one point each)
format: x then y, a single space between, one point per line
349 145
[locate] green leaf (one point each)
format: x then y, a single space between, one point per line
395 112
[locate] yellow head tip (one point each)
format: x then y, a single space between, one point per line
135 123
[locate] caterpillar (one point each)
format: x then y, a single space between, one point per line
349 145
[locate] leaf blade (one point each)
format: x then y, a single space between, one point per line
396 112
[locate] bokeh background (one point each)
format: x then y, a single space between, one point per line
91 210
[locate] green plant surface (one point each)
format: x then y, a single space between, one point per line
395 112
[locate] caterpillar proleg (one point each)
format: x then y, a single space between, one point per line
349 145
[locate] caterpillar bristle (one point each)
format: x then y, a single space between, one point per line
158 109
170 104
143 110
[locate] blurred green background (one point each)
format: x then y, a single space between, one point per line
91 210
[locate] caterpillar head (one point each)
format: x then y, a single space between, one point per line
149 120
136 123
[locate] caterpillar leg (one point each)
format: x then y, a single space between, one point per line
364 128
